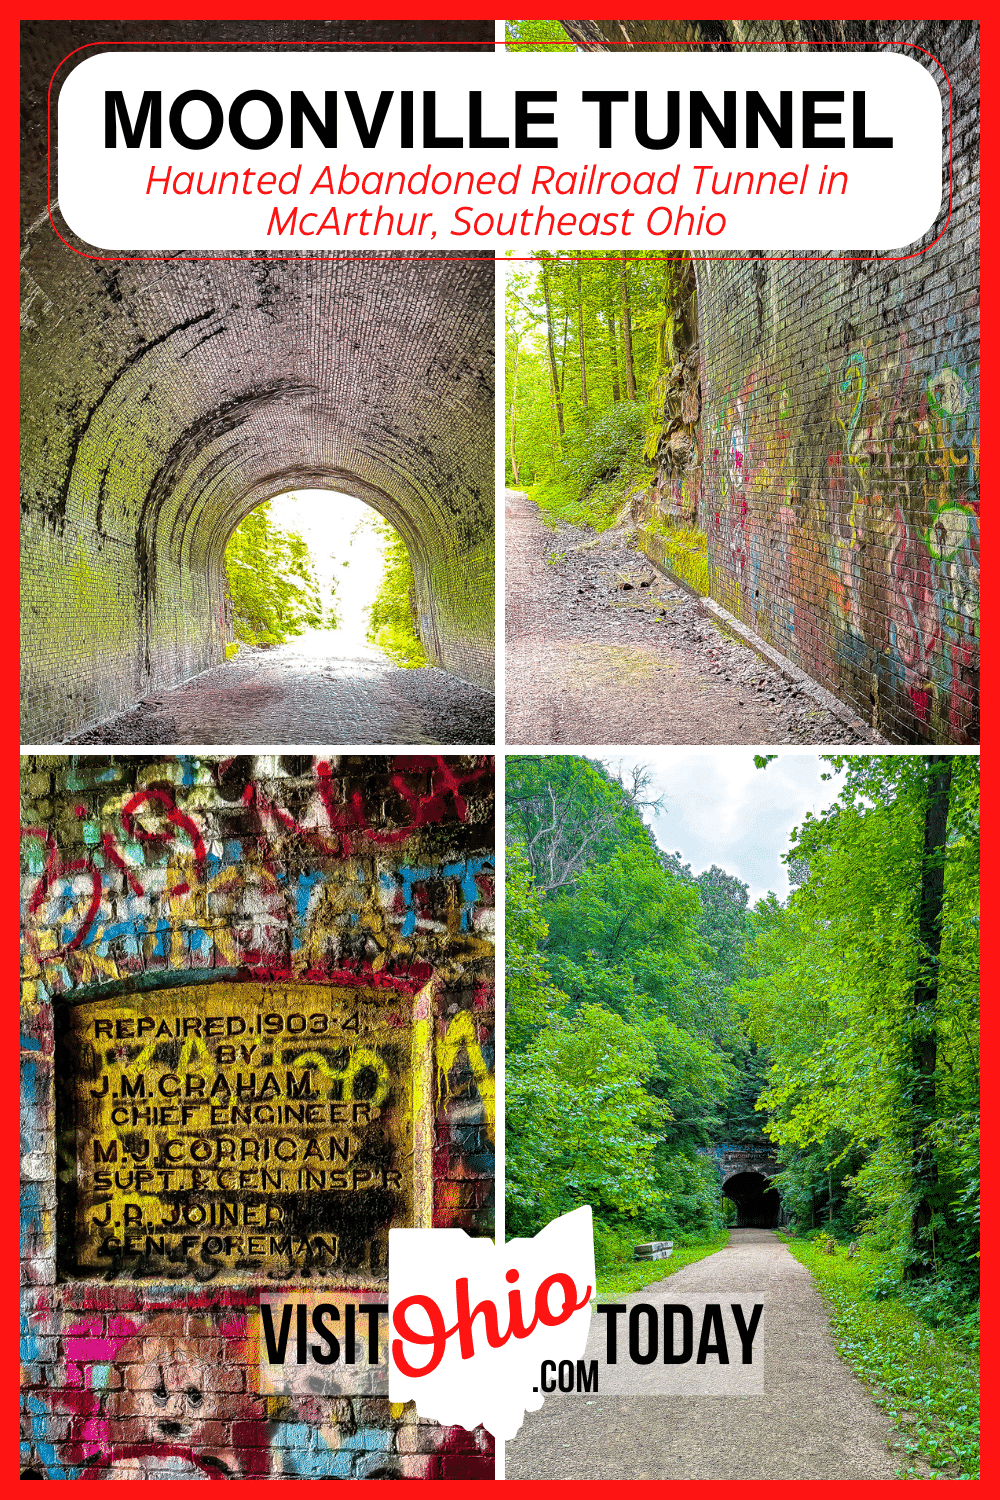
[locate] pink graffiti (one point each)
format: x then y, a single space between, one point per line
915 614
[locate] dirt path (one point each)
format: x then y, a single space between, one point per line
298 694
815 1420
602 649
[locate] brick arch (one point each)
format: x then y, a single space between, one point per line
160 415
164 400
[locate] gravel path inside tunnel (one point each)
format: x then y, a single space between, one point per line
603 649
814 1420
297 694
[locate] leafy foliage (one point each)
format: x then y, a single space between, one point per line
598 467
584 340
272 582
391 623
567 812
617 1070
925 1379
583 1125
537 36
833 997
531 1000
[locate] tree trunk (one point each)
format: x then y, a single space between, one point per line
626 325
515 471
579 314
925 993
616 390
553 373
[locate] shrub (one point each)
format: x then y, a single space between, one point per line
391 623
271 582
600 464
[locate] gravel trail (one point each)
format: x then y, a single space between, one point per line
815 1420
602 649
301 694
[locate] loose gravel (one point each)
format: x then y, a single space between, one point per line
603 649
303 693
813 1420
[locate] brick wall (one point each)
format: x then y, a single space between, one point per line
834 470
146 880
164 400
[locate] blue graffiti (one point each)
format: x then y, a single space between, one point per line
464 871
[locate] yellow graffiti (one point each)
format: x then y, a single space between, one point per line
186 900
361 1058
193 1045
419 1091
462 1032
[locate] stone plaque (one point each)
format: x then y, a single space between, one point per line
242 1131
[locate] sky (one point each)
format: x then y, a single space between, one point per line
721 810
337 530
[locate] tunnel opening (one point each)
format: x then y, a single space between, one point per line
758 1204
325 566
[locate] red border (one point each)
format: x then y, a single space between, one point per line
313 10
503 259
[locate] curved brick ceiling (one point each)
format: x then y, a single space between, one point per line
164 400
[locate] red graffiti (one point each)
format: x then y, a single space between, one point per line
56 869
174 815
349 822
921 700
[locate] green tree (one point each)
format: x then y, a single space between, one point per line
581 1126
863 988
608 944
579 328
530 998
569 812
272 582
537 36
392 617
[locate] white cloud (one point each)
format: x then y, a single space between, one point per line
720 809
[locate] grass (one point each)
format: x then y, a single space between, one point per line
625 1277
598 507
925 1379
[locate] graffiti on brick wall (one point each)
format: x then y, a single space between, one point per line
843 517
119 1390
466 1118
176 901
211 875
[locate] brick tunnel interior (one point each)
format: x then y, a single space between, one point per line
163 399
758 1204
821 425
